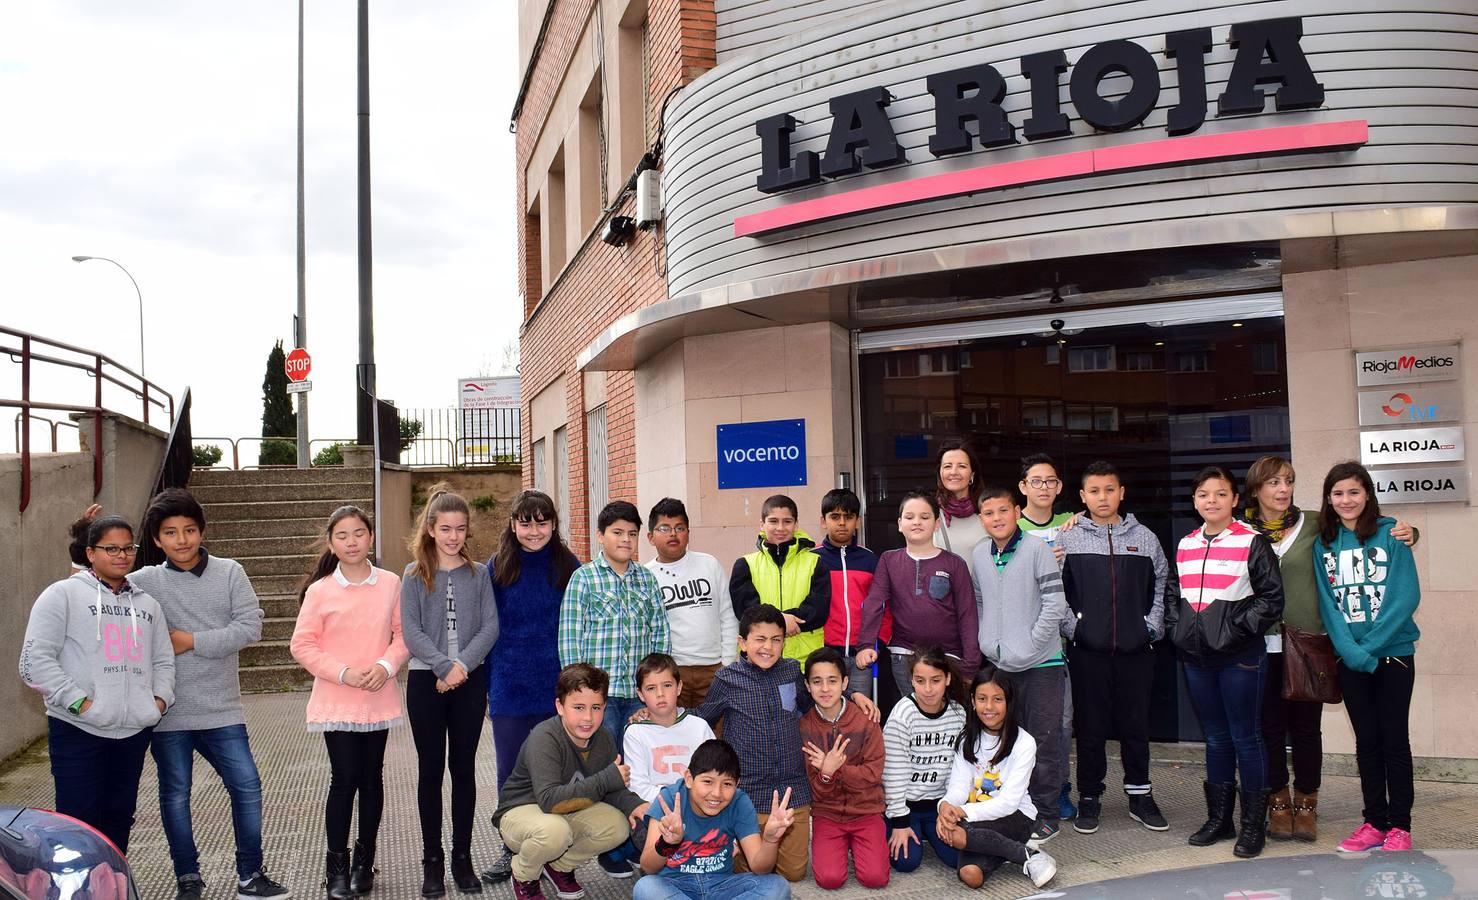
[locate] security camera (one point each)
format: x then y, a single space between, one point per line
1057 324
619 230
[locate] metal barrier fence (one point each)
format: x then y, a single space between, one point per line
429 437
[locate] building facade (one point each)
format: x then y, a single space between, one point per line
1161 236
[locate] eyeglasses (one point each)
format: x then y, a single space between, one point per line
671 529
1039 483
115 552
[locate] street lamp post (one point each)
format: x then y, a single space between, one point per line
142 373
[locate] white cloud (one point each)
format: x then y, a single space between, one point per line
162 135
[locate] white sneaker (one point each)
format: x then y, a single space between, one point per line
1039 867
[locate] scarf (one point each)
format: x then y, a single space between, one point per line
957 508
1273 529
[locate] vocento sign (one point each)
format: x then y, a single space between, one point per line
762 454
1269 61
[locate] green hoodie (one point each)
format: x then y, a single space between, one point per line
1368 594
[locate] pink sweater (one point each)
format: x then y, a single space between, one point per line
354 625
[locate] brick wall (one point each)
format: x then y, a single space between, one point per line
600 283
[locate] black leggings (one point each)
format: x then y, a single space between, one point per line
1379 706
446 728
989 844
1294 723
356 762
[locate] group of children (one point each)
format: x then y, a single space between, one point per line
1007 629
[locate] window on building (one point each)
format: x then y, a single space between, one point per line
1139 361
584 155
938 362
551 213
628 131
1193 361
541 467
1053 354
1265 357
561 477
597 468
1090 359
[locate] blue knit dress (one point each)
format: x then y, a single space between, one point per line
524 664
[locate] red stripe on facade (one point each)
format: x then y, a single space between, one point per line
1169 151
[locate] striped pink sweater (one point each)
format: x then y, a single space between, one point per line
1215 569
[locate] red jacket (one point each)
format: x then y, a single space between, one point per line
856 790
851 569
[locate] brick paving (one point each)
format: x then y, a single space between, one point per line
295 775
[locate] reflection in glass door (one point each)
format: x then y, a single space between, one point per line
1160 402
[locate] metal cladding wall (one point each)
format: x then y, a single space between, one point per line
1408 67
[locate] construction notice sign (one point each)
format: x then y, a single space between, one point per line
489 419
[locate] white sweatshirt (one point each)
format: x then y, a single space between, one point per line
919 751
986 792
700 617
659 754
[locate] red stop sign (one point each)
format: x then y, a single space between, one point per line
298 365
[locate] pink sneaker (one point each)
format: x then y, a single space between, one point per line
1397 839
1366 837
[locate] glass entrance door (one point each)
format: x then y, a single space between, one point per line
1158 400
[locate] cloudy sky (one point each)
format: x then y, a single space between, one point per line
161 133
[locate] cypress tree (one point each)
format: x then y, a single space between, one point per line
278 419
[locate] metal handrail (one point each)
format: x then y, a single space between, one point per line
54 423
96 368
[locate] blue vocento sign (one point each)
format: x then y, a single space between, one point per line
762 454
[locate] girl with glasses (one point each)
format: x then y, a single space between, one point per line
97 649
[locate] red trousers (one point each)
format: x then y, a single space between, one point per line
865 839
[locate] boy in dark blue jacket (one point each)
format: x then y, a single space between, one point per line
1115 575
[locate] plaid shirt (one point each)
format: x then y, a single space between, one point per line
761 711
611 621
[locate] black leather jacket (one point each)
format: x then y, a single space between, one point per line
1228 630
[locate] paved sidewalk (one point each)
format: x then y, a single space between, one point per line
295 774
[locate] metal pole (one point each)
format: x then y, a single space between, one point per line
143 372
300 338
366 379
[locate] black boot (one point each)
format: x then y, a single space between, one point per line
1254 824
363 872
463 874
336 875
1220 800
433 875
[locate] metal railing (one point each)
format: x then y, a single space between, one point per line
435 437
102 369
448 436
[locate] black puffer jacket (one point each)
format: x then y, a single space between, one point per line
1230 593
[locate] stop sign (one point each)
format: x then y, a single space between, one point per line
298 365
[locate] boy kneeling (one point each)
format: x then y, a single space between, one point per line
696 823
567 799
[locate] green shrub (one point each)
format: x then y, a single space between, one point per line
332 455
410 429
206 455
278 453
485 504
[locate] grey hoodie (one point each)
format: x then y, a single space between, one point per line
1021 605
84 641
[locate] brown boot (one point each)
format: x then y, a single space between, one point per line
1306 816
1280 816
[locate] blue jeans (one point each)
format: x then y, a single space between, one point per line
229 753
97 778
925 825
1228 700
618 711
718 886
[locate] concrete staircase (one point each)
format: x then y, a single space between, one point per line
268 520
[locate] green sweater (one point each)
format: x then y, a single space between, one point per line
1300 590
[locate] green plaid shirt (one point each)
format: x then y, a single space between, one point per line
611 621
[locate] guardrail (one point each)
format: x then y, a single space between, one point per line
102 369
